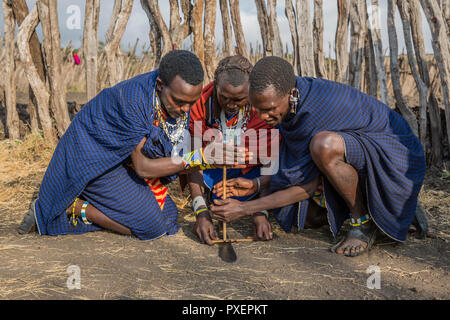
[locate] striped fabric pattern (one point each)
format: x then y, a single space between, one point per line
98 142
379 144
159 190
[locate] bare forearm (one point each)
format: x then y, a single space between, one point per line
152 168
280 198
195 181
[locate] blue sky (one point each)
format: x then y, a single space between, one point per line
138 26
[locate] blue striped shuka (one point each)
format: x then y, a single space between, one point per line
379 144
92 160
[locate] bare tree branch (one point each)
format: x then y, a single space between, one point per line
12 116
26 29
393 48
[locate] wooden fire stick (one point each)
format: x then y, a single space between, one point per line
224 181
224 224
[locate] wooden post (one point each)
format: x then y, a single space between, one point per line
20 10
154 34
227 33
319 60
305 41
446 12
26 29
90 46
358 34
395 75
178 30
441 48
341 41
12 116
370 68
378 51
112 47
199 42
404 14
277 46
264 26
112 21
292 20
237 27
48 16
209 39
434 111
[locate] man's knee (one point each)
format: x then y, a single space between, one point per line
326 147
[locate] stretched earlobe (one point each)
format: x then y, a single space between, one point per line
293 100
159 85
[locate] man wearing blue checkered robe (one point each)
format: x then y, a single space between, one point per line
370 162
92 160
379 144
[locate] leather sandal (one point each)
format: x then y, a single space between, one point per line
364 232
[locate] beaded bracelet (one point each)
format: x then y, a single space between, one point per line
196 158
196 213
360 221
83 213
74 217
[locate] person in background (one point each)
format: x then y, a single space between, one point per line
76 58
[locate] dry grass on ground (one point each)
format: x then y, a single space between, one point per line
292 266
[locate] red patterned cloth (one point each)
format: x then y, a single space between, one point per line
159 190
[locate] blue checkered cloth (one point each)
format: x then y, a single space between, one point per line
91 159
379 143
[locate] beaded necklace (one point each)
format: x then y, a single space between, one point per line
175 132
233 128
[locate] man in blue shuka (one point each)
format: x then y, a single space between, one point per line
110 169
362 154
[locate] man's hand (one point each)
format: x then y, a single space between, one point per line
262 227
228 210
218 154
237 187
204 228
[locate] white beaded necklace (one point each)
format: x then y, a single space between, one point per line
175 132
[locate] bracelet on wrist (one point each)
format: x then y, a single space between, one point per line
83 213
265 212
200 211
194 159
258 185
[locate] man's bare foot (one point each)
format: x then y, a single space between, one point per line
351 247
358 240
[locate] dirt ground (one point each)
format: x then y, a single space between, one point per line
292 266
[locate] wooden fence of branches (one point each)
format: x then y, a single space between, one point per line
414 83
